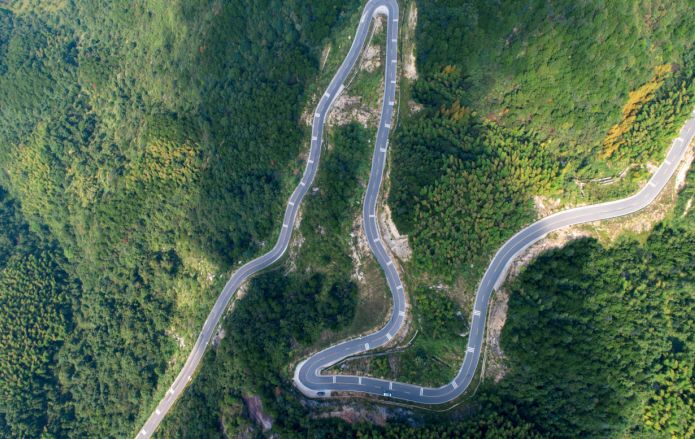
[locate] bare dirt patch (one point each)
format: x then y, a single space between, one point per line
324 55
371 56
359 249
295 245
495 367
179 339
414 107
351 108
545 206
254 405
219 335
682 171
353 414
397 243
409 66
371 59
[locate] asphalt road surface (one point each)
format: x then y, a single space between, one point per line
308 377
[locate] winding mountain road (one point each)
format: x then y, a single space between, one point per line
308 377
373 7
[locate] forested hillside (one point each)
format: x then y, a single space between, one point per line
285 309
598 341
147 148
562 68
154 140
601 340
534 100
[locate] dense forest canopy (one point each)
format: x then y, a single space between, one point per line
599 343
600 340
36 298
534 100
154 140
147 147
562 68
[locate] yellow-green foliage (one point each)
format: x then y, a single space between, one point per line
164 162
637 99
29 169
672 406
456 112
28 6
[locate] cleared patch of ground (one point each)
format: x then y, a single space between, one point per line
397 243
349 108
353 414
495 368
409 65
254 405
360 101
